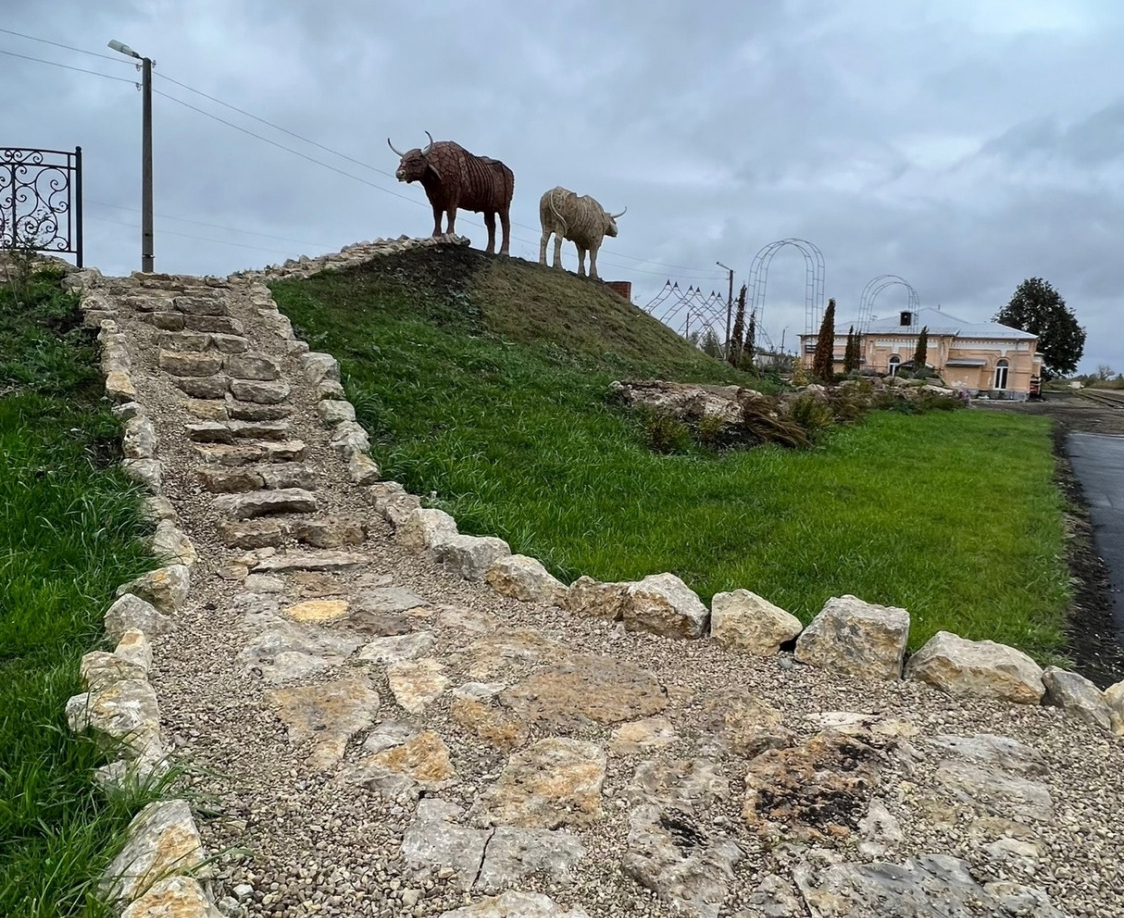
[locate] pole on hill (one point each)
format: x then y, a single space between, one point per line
729 305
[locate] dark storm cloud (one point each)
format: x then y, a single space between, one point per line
964 146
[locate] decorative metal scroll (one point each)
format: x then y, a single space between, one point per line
41 200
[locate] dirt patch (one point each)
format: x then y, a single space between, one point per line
1093 642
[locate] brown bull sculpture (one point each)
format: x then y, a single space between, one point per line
454 178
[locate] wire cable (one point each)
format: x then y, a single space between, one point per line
39 60
229 229
278 127
238 245
281 146
47 41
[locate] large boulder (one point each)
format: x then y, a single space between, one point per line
163 841
742 620
1114 697
1077 695
423 527
856 638
663 604
982 668
466 555
595 599
524 579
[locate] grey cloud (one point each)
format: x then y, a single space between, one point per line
957 146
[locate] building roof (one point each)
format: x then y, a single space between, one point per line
938 323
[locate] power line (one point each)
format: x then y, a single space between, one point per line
281 146
46 41
237 245
39 60
229 229
277 127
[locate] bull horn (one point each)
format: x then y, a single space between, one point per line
425 152
621 214
389 144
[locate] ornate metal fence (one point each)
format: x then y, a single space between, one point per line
41 200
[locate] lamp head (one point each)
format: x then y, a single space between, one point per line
123 48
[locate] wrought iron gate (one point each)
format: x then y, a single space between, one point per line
41 200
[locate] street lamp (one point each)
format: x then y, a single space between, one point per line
145 67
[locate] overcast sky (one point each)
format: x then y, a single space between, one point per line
963 145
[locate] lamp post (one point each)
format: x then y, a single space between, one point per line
145 67
729 305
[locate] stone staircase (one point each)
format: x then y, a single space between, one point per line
384 716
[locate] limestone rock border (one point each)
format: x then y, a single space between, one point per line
157 872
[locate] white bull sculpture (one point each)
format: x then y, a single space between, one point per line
581 220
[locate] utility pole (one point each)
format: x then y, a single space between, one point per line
729 305
147 255
145 67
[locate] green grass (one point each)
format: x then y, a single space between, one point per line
496 402
70 532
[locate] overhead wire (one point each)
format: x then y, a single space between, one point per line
229 229
39 60
163 232
57 44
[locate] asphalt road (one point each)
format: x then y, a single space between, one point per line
1098 463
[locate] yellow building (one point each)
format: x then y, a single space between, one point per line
983 357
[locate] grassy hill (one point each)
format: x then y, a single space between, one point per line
483 382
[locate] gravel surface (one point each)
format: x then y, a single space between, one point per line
294 837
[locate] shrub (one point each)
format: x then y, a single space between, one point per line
813 414
666 433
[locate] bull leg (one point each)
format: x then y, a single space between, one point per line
436 221
581 261
593 263
505 225
558 250
542 247
490 222
451 213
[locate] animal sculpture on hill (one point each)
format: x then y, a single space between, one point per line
454 178
581 220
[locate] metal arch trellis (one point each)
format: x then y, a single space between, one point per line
814 272
41 200
874 287
684 311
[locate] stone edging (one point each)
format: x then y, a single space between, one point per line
850 636
162 867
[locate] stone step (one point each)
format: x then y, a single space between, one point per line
221 324
309 561
249 411
253 504
229 431
272 531
189 363
253 365
257 478
206 387
260 391
250 453
202 341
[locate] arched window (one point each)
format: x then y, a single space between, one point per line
1001 374
895 362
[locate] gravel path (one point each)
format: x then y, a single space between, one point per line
385 737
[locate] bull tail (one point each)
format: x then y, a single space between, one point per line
558 216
